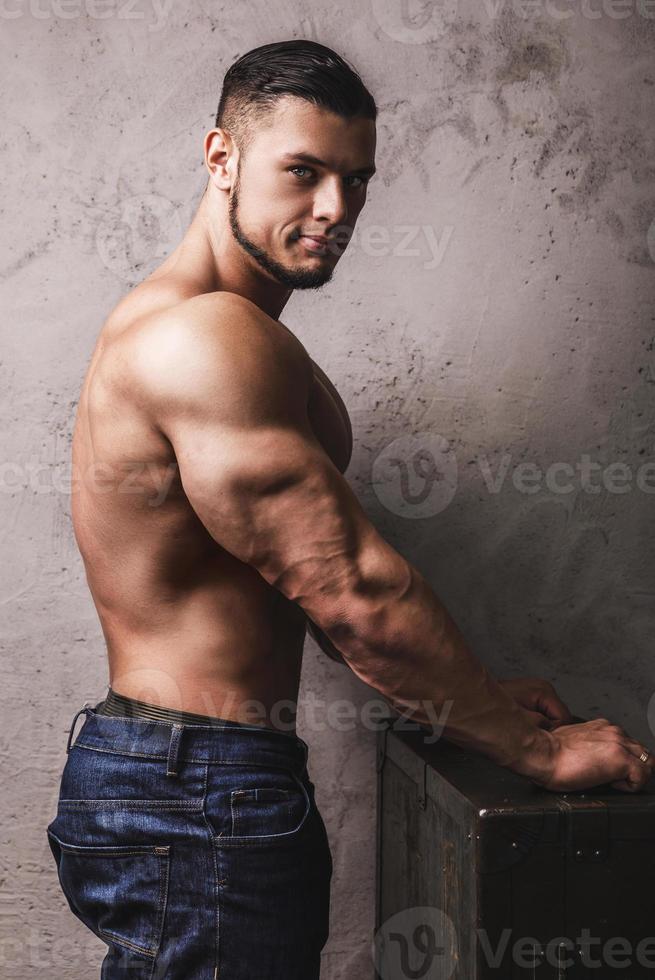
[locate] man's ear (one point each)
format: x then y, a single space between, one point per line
221 158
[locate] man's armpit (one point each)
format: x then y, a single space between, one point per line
324 643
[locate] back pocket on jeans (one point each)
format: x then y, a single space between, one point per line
119 893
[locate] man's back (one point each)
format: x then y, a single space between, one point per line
185 622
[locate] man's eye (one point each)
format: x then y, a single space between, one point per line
364 181
307 170
292 169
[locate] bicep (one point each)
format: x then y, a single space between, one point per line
233 403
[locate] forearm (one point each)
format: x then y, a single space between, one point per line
406 645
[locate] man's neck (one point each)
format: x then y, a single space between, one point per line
211 257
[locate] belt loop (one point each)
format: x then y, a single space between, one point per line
87 710
174 749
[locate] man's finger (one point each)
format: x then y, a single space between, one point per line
639 750
636 774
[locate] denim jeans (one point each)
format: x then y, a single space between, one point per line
195 852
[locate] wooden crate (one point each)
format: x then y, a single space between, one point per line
481 874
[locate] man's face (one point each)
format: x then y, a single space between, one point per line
279 196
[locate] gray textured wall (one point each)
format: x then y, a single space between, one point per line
516 164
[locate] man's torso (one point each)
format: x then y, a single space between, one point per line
186 624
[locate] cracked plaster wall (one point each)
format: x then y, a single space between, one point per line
503 315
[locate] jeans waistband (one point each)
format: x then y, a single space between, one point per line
219 741
124 706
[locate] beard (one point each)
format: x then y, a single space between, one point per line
294 277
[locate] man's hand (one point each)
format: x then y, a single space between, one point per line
595 753
540 698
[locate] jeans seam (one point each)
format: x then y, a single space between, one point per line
122 941
164 877
128 804
283 762
217 884
232 813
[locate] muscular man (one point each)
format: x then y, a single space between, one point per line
215 524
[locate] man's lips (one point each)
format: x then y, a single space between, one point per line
316 243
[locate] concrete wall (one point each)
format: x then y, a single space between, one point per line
500 312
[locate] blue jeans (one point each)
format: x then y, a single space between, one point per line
195 852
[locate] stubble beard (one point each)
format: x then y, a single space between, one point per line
295 277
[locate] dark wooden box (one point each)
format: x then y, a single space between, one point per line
481 874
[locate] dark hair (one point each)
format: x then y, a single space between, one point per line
306 69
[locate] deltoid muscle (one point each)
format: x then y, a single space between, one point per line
325 644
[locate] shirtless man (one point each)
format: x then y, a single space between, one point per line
215 524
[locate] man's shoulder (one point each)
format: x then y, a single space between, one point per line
209 346
220 319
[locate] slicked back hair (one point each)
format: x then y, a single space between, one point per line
305 69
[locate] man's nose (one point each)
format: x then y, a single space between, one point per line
330 202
